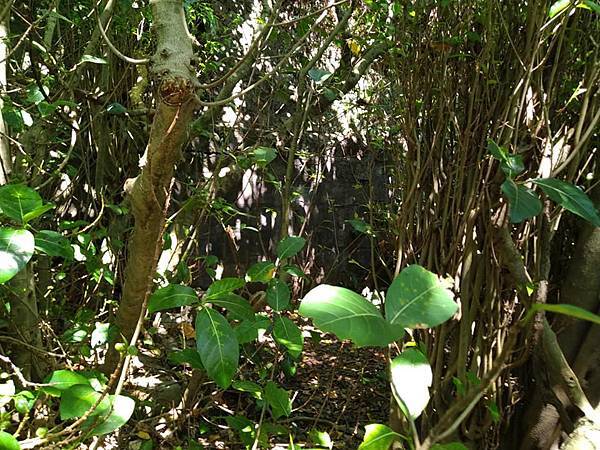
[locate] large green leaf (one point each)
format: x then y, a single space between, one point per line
411 377
378 437
237 306
8 441
224 286
278 294
16 200
568 310
248 330
53 244
16 249
261 272
287 334
111 413
171 296
524 203
278 399
218 347
511 165
262 156
570 197
349 316
417 299
290 246
61 380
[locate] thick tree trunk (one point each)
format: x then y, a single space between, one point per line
149 196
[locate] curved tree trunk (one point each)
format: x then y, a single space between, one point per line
176 81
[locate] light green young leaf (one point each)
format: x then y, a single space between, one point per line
570 197
262 156
411 377
8 441
524 203
348 315
218 347
61 380
16 249
417 299
378 437
287 334
558 7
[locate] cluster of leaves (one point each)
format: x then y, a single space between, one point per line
525 203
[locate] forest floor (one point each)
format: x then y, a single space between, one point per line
337 389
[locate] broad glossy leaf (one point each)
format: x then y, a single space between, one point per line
378 437
261 272
411 377
278 294
319 75
224 286
248 386
294 271
248 330
37 212
16 249
8 441
53 244
78 399
218 347
417 299
348 315
290 246
61 380
570 197
121 410
524 203
237 306
278 399
171 296
16 200
287 334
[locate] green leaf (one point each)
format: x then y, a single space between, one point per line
16 249
524 203
499 153
236 305
24 401
278 399
290 246
171 296
61 380
568 310
262 156
248 386
119 413
186 356
361 226
35 95
411 377
37 212
591 5
278 294
511 165
224 286
287 334
378 437
321 438
248 330
294 271
417 299
78 399
348 315
319 75
16 200
53 244
218 347
116 108
261 272
8 441
93 59
558 7
570 197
